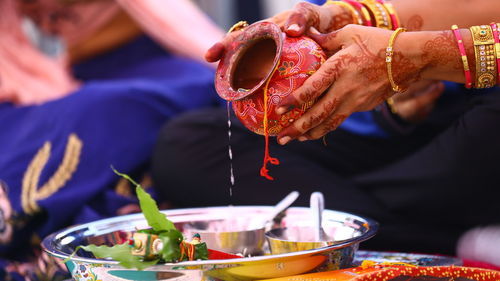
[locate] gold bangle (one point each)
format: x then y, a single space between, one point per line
238 26
390 105
356 17
379 12
388 59
484 51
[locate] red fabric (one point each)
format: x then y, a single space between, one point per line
472 263
218 255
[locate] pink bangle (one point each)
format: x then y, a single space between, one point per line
367 21
494 27
463 54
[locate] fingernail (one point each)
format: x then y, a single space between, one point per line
284 140
294 27
302 138
281 110
314 30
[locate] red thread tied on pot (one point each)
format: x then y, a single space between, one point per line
258 71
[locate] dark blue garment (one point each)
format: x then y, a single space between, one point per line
113 119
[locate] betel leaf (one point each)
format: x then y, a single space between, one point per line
120 253
157 220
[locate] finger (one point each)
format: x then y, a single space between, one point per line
315 85
301 18
310 119
343 108
328 125
415 89
329 42
280 19
215 52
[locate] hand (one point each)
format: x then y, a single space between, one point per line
416 104
353 79
295 23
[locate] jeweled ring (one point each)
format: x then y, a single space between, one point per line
238 26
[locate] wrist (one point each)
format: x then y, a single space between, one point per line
437 54
339 16
407 66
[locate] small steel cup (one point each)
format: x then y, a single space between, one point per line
293 239
230 236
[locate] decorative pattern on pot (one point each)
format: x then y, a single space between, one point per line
262 59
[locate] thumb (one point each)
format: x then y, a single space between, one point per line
215 52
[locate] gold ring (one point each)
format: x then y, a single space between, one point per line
238 26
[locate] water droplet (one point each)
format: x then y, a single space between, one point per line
229 150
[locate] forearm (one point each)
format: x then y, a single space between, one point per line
180 26
441 14
437 54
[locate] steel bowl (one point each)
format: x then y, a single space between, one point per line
83 266
298 235
231 235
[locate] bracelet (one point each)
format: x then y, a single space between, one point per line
494 27
392 14
390 105
463 54
382 19
238 26
388 59
356 17
484 50
367 19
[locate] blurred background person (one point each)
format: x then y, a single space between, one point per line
85 85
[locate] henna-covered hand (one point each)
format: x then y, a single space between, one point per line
355 77
294 22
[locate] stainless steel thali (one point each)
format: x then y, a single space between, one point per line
350 231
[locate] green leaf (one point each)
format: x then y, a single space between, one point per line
121 253
157 220
171 251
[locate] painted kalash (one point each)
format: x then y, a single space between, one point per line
259 70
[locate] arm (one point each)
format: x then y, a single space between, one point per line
414 15
440 15
355 77
177 24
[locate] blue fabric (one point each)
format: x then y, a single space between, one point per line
362 123
127 95
317 2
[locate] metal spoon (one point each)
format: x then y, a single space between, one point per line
277 209
317 204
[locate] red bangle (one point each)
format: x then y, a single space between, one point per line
367 21
463 54
494 27
393 15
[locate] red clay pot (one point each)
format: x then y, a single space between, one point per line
251 61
